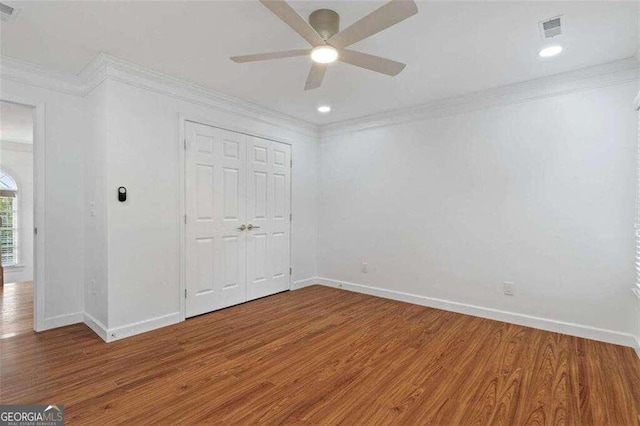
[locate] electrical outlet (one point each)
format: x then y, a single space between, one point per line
508 288
365 267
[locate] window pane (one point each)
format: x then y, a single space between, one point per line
8 231
7 182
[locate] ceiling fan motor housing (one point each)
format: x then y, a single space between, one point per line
326 22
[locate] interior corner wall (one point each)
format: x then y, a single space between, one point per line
95 212
66 131
142 153
539 193
637 283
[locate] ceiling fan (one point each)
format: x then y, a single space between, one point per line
329 44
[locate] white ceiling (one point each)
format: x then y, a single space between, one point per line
451 48
16 123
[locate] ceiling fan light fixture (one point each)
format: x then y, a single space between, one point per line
322 32
324 54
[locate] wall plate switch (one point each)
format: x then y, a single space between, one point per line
365 267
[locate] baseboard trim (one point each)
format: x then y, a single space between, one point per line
63 320
572 329
304 283
129 330
97 326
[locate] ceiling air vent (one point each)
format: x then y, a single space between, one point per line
551 28
7 13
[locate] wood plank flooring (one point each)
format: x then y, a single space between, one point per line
16 309
326 356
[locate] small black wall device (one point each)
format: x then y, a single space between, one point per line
122 194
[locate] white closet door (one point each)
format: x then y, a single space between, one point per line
215 201
268 211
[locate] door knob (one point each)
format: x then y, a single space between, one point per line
250 227
243 227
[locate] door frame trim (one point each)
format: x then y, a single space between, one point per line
183 119
39 205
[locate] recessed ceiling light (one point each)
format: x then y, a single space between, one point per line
324 109
324 54
550 51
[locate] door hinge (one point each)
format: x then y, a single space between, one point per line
290 271
185 219
35 231
185 144
185 293
290 217
291 163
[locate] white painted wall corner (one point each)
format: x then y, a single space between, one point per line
63 320
129 330
117 333
305 283
97 327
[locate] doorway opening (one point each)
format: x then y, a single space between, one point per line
16 219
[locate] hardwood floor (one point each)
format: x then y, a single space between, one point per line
16 309
321 355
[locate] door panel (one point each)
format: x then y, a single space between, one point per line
204 194
215 206
268 207
260 197
232 266
204 249
258 255
279 254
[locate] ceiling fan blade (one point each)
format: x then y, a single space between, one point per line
316 75
371 62
271 55
390 14
290 17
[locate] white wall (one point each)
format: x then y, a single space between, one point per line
636 291
539 193
95 208
66 131
143 151
17 159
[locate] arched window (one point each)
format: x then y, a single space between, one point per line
8 219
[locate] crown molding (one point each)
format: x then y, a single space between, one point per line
612 73
110 67
39 76
106 67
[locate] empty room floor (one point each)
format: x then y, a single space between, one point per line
323 355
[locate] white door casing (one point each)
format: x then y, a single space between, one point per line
232 180
215 209
269 208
